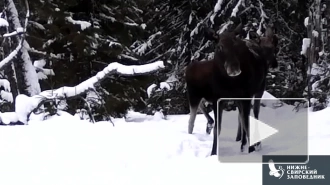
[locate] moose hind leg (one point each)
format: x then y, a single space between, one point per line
194 101
239 133
256 110
192 117
210 121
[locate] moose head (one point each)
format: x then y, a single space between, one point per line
268 44
226 44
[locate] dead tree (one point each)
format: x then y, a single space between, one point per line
312 43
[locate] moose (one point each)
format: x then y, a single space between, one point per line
259 49
238 70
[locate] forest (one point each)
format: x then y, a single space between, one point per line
100 58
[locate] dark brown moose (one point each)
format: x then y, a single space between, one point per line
238 70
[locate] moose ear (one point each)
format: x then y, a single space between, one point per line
238 29
210 34
269 33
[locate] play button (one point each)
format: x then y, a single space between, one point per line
259 131
277 122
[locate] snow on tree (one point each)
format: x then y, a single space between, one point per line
316 54
76 39
24 62
42 72
3 22
25 105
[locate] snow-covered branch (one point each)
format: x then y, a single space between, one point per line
25 105
217 8
83 24
18 31
5 94
263 17
8 58
235 10
51 55
305 44
3 22
140 50
41 71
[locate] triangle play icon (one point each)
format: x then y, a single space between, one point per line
259 131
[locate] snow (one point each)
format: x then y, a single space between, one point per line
313 100
263 17
5 84
212 18
216 9
158 116
305 45
150 89
24 104
162 86
3 22
12 9
111 68
112 19
30 76
321 53
50 41
132 69
39 63
315 33
8 58
83 24
224 26
165 85
130 24
306 21
128 57
42 72
217 6
8 117
20 30
190 18
8 96
248 36
91 96
143 26
145 150
29 73
195 30
140 50
137 9
37 25
235 10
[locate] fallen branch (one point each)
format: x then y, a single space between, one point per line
25 105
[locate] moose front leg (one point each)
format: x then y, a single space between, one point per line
217 127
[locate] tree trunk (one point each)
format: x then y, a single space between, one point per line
28 81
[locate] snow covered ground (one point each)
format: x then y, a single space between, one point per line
141 150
